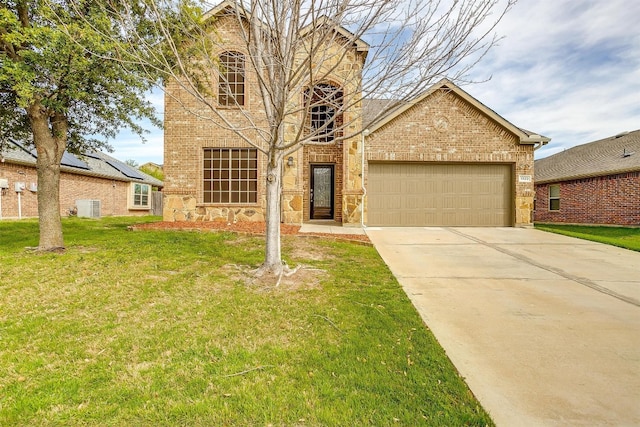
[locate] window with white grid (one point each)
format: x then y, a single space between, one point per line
230 175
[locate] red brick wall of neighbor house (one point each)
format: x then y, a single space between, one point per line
445 128
111 193
610 200
28 199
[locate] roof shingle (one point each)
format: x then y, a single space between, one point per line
95 163
609 156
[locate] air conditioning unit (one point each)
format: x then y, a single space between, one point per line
88 208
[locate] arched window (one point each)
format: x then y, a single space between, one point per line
325 112
231 80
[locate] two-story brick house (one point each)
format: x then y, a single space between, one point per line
442 159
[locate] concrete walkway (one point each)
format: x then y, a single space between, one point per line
544 328
330 227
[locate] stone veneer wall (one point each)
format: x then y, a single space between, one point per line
352 205
446 128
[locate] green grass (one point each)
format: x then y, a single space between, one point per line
152 328
624 237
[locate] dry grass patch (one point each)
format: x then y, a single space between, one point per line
304 278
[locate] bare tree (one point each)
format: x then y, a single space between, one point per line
312 62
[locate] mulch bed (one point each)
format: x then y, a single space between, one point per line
244 227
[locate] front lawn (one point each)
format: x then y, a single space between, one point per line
152 328
624 237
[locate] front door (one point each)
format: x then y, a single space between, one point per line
321 196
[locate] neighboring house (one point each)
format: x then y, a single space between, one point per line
594 183
153 168
443 159
93 184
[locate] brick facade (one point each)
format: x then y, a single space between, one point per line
113 194
444 127
605 200
187 135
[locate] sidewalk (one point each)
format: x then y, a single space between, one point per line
330 227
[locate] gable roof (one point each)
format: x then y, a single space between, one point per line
93 163
609 156
229 5
358 43
372 108
525 136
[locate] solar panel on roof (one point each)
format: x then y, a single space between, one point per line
33 151
92 154
126 170
69 159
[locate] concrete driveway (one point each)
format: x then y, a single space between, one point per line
544 328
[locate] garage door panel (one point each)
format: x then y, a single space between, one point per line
423 194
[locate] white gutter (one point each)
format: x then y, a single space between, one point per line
364 189
536 140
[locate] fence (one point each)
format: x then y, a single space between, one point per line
156 203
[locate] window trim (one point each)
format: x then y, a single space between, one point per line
228 78
238 180
132 196
554 198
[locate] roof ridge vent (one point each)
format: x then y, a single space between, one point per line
621 134
626 153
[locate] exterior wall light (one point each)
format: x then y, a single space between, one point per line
290 161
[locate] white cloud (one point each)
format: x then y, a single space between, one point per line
568 70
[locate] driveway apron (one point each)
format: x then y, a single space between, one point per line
544 328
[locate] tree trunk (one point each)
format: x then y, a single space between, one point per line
50 148
273 253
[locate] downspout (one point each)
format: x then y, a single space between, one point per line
19 206
364 189
540 142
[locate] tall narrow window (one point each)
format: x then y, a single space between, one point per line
230 175
554 197
140 196
325 118
231 80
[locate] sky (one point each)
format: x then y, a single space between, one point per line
565 69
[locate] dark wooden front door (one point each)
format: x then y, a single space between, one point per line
322 191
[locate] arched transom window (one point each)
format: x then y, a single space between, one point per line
325 112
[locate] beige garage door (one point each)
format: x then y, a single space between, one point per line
427 194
